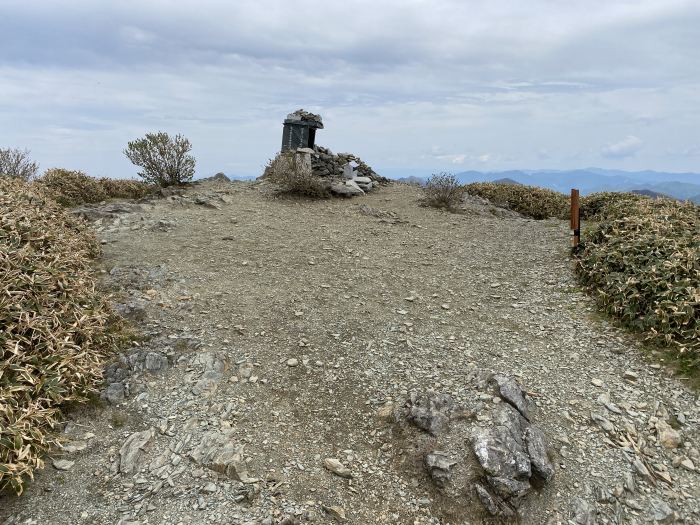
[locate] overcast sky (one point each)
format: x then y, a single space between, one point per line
431 85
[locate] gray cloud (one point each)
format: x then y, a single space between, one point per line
494 84
626 147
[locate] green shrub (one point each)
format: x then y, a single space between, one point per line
16 163
164 160
642 264
288 171
442 191
53 338
530 201
73 188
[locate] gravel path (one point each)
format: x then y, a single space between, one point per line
294 331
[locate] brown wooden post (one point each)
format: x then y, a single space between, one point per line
576 217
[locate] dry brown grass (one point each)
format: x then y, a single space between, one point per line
530 201
293 177
73 188
442 191
54 322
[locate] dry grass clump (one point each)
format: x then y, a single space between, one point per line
642 263
442 191
72 188
53 336
602 205
530 201
294 177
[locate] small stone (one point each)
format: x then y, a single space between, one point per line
336 512
584 513
209 488
439 465
641 469
292 362
661 512
115 393
596 382
63 464
602 422
688 464
634 504
130 452
385 412
668 436
630 375
337 468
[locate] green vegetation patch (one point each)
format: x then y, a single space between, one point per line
642 264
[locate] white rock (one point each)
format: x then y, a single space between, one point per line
131 450
63 464
337 468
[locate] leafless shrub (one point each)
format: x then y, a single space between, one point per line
17 164
443 191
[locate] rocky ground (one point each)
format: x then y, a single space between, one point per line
324 362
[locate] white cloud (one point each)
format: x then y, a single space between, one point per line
626 147
516 78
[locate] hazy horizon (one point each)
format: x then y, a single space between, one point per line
412 85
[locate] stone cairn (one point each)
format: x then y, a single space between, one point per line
347 174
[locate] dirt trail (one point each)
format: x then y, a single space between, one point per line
289 325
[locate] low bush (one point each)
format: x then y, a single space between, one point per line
16 163
54 324
642 264
530 201
294 177
602 205
442 191
125 188
73 188
164 160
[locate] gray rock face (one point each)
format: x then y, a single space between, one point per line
542 468
513 455
661 512
218 452
155 362
352 184
501 449
131 450
430 412
115 393
342 190
583 513
439 465
214 367
510 391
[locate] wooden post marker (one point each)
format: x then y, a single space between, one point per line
576 217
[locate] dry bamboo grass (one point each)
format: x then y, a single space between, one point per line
530 201
642 264
73 188
53 324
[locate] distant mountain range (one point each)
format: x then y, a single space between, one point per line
683 186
